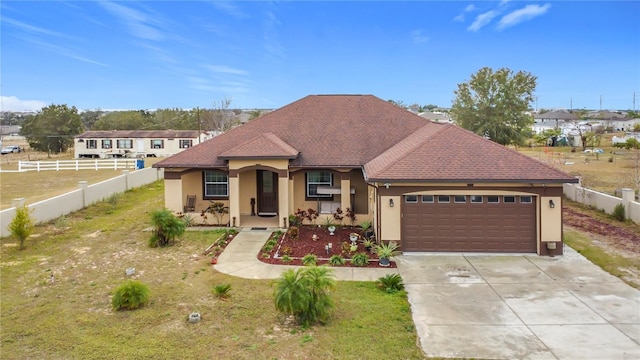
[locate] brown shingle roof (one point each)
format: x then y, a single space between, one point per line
156 134
327 130
264 145
455 154
358 131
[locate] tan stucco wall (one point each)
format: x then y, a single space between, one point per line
249 190
192 185
173 195
390 218
236 164
551 219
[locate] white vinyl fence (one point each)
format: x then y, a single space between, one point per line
604 202
97 164
80 198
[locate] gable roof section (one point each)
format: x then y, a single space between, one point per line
264 146
453 154
557 115
327 130
156 134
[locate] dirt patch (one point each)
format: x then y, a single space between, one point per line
611 237
305 244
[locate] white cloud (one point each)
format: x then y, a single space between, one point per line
230 8
12 103
468 8
482 20
225 69
418 36
140 24
526 13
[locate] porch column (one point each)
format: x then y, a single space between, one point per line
345 193
283 198
234 199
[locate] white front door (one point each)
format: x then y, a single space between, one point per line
140 146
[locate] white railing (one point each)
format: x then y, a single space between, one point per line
97 164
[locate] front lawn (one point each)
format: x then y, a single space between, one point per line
69 315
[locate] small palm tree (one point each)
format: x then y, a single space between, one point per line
304 293
167 227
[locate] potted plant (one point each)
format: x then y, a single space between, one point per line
328 222
386 251
353 237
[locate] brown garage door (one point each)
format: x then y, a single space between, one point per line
464 223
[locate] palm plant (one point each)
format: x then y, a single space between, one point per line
390 283
304 293
166 226
130 296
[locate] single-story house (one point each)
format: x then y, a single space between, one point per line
135 143
431 187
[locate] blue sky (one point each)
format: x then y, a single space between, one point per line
187 54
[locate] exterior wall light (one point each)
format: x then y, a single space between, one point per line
391 203
552 204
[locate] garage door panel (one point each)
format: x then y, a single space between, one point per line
470 227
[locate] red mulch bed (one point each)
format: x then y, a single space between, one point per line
304 245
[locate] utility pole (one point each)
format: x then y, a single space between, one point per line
570 103
634 101
600 102
199 124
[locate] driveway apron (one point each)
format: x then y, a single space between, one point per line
520 307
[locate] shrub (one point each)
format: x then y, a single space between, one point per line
390 283
618 213
293 232
188 220
286 259
130 296
309 260
222 290
336 260
21 226
166 228
304 293
360 259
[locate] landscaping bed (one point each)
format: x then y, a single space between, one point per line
289 250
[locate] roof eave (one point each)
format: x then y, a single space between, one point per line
469 181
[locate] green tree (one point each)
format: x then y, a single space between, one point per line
166 226
22 225
304 293
494 104
89 118
125 120
543 137
53 128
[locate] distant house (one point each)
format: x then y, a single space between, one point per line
429 186
135 143
437 117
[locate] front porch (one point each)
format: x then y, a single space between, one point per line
248 221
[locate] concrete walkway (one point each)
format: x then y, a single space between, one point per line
240 258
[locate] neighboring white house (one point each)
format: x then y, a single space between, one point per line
135 143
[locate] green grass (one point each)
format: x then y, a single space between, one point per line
89 259
611 263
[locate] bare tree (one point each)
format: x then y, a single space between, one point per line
220 118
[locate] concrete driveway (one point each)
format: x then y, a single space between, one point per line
520 307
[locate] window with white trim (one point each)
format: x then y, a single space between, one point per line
509 199
493 199
444 199
428 199
125 144
411 199
476 199
91 144
185 143
459 199
526 199
318 178
157 144
216 184
106 144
